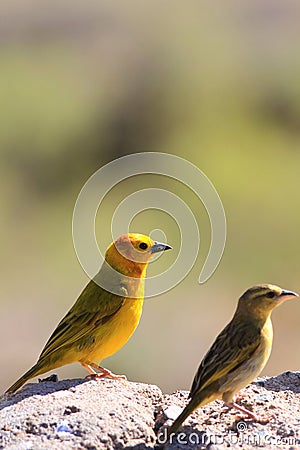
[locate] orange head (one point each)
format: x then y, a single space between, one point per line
130 253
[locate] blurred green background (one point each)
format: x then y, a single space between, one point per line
83 83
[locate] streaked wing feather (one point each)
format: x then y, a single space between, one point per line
230 349
84 317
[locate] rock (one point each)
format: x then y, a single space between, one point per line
108 414
76 414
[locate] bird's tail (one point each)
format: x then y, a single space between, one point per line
190 407
199 399
37 369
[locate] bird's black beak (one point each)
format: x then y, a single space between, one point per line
159 247
288 293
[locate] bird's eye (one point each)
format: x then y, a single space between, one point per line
270 294
143 246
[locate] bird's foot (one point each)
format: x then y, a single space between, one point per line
265 418
259 418
111 375
104 373
251 415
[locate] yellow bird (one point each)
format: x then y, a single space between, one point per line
239 353
101 321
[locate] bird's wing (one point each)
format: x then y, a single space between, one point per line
233 346
94 307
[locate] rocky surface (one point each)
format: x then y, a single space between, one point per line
107 414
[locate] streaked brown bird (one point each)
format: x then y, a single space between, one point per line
239 353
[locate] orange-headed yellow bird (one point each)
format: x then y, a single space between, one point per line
101 321
239 353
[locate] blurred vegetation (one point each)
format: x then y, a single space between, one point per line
81 85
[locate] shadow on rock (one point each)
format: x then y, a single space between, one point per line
287 381
42 388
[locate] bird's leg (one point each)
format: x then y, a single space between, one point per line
103 372
91 371
107 373
250 414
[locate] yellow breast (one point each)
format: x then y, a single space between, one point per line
267 337
115 333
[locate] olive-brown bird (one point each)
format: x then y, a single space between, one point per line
239 352
106 313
